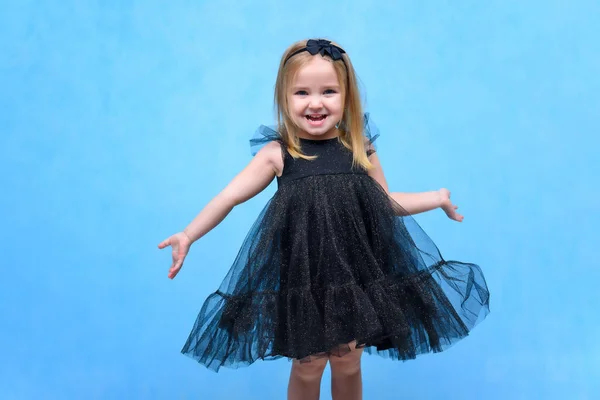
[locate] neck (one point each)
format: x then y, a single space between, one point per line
332 133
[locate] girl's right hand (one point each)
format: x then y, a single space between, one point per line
180 244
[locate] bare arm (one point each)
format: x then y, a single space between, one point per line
257 175
415 203
267 163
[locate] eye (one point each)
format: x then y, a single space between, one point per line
301 93
330 91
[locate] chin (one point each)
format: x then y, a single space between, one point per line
320 131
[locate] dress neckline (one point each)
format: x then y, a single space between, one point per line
318 141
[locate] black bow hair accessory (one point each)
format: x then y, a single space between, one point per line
323 47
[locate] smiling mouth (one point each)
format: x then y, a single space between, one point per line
316 117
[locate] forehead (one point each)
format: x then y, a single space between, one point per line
317 71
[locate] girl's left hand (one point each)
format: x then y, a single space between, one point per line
448 207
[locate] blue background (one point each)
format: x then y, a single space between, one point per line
120 120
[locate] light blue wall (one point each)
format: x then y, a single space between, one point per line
120 120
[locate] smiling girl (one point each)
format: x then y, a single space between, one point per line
334 265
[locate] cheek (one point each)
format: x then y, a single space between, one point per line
336 105
294 105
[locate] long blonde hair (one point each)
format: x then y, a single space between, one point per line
350 127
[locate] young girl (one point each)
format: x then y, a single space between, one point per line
334 265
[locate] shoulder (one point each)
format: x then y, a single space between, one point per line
272 154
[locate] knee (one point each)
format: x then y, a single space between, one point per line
346 365
309 371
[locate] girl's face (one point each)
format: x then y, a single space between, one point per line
315 100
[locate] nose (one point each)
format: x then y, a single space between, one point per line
315 102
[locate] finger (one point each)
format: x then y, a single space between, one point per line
164 243
175 270
176 265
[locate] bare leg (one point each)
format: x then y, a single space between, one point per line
305 379
346 377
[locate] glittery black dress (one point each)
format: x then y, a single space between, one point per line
331 260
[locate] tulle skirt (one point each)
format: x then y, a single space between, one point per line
329 261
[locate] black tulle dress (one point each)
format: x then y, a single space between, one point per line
331 260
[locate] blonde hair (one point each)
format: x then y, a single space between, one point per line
350 127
